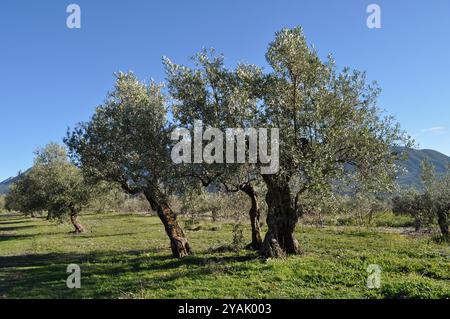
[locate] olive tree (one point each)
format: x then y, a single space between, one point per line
220 99
409 202
329 123
54 185
25 196
430 204
127 141
441 196
330 126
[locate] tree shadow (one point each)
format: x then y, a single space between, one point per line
5 237
44 275
19 221
122 215
15 228
33 260
88 235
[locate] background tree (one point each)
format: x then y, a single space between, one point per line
430 204
410 202
2 202
53 184
127 141
329 124
428 196
418 203
25 195
441 194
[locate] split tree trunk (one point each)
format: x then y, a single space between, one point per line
255 215
76 223
178 241
282 218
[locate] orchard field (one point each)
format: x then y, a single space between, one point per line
127 255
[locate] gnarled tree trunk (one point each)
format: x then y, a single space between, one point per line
76 222
178 241
282 218
255 215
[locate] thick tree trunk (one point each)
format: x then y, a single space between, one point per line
178 241
443 223
282 218
76 223
255 215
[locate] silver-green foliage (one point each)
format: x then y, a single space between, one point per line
53 184
431 203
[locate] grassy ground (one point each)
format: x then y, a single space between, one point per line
127 256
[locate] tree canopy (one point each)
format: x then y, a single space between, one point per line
127 141
329 122
54 185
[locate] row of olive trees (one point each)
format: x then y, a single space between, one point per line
429 204
330 128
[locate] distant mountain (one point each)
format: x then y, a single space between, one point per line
4 186
410 179
413 166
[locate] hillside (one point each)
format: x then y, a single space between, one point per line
4 186
413 166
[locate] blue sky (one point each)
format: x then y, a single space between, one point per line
53 77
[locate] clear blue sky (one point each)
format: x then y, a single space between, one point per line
53 77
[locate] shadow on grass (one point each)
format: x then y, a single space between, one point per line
13 222
89 235
104 274
15 228
5 237
119 215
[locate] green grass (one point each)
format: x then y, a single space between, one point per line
389 219
127 256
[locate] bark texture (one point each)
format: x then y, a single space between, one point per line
255 215
178 241
282 218
76 223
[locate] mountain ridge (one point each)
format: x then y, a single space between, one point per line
4 185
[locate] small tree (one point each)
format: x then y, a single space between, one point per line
410 202
53 184
25 196
429 204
